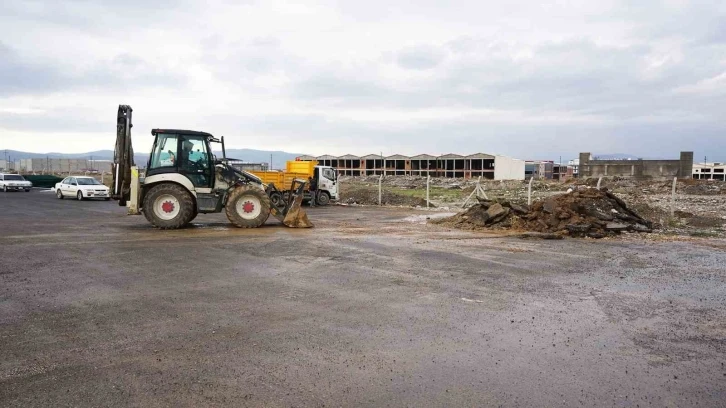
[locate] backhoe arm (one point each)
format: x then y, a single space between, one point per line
123 156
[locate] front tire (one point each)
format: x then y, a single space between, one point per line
5 189
323 198
79 195
248 206
59 194
168 206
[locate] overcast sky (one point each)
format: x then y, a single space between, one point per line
515 77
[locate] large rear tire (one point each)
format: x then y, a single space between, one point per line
248 207
168 206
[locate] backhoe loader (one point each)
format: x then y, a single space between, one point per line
184 178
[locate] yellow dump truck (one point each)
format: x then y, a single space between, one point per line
326 177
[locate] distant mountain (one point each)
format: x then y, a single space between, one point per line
249 155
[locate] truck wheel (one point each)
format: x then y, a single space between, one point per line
168 206
323 198
276 200
248 207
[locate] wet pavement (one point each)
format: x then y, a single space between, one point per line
373 307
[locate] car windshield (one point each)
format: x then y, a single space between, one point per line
14 177
88 182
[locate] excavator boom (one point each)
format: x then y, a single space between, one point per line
123 156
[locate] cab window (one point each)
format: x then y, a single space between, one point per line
165 152
194 153
194 161
329 174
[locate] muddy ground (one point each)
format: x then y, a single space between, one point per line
374 307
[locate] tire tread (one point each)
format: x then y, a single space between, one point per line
186 201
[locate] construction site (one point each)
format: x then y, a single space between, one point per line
447 280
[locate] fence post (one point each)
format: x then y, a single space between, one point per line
599 181
673 196
428 182
380 190
529 191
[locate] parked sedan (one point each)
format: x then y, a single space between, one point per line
14 182
81 188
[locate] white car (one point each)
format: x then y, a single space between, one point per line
14 182
81 188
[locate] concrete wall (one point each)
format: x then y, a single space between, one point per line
681 168
62 166
507 168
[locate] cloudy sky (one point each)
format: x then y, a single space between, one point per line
520 78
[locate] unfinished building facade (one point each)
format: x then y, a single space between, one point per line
486 166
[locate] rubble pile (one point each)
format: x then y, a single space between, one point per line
581 213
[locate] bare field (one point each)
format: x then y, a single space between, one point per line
373 307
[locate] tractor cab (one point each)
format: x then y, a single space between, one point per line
184 152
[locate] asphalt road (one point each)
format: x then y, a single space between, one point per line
371 308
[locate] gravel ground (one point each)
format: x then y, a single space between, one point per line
373 307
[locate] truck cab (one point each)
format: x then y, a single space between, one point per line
327 178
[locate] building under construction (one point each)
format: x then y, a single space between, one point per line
487 166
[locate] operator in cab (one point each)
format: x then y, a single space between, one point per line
194 164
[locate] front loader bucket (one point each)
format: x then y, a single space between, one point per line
292 215
296 217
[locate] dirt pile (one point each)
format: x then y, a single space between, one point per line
580 213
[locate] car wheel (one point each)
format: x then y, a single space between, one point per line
59 194
79 196
5 189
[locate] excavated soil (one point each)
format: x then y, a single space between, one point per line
584 212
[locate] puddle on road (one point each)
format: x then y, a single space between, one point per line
423 218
